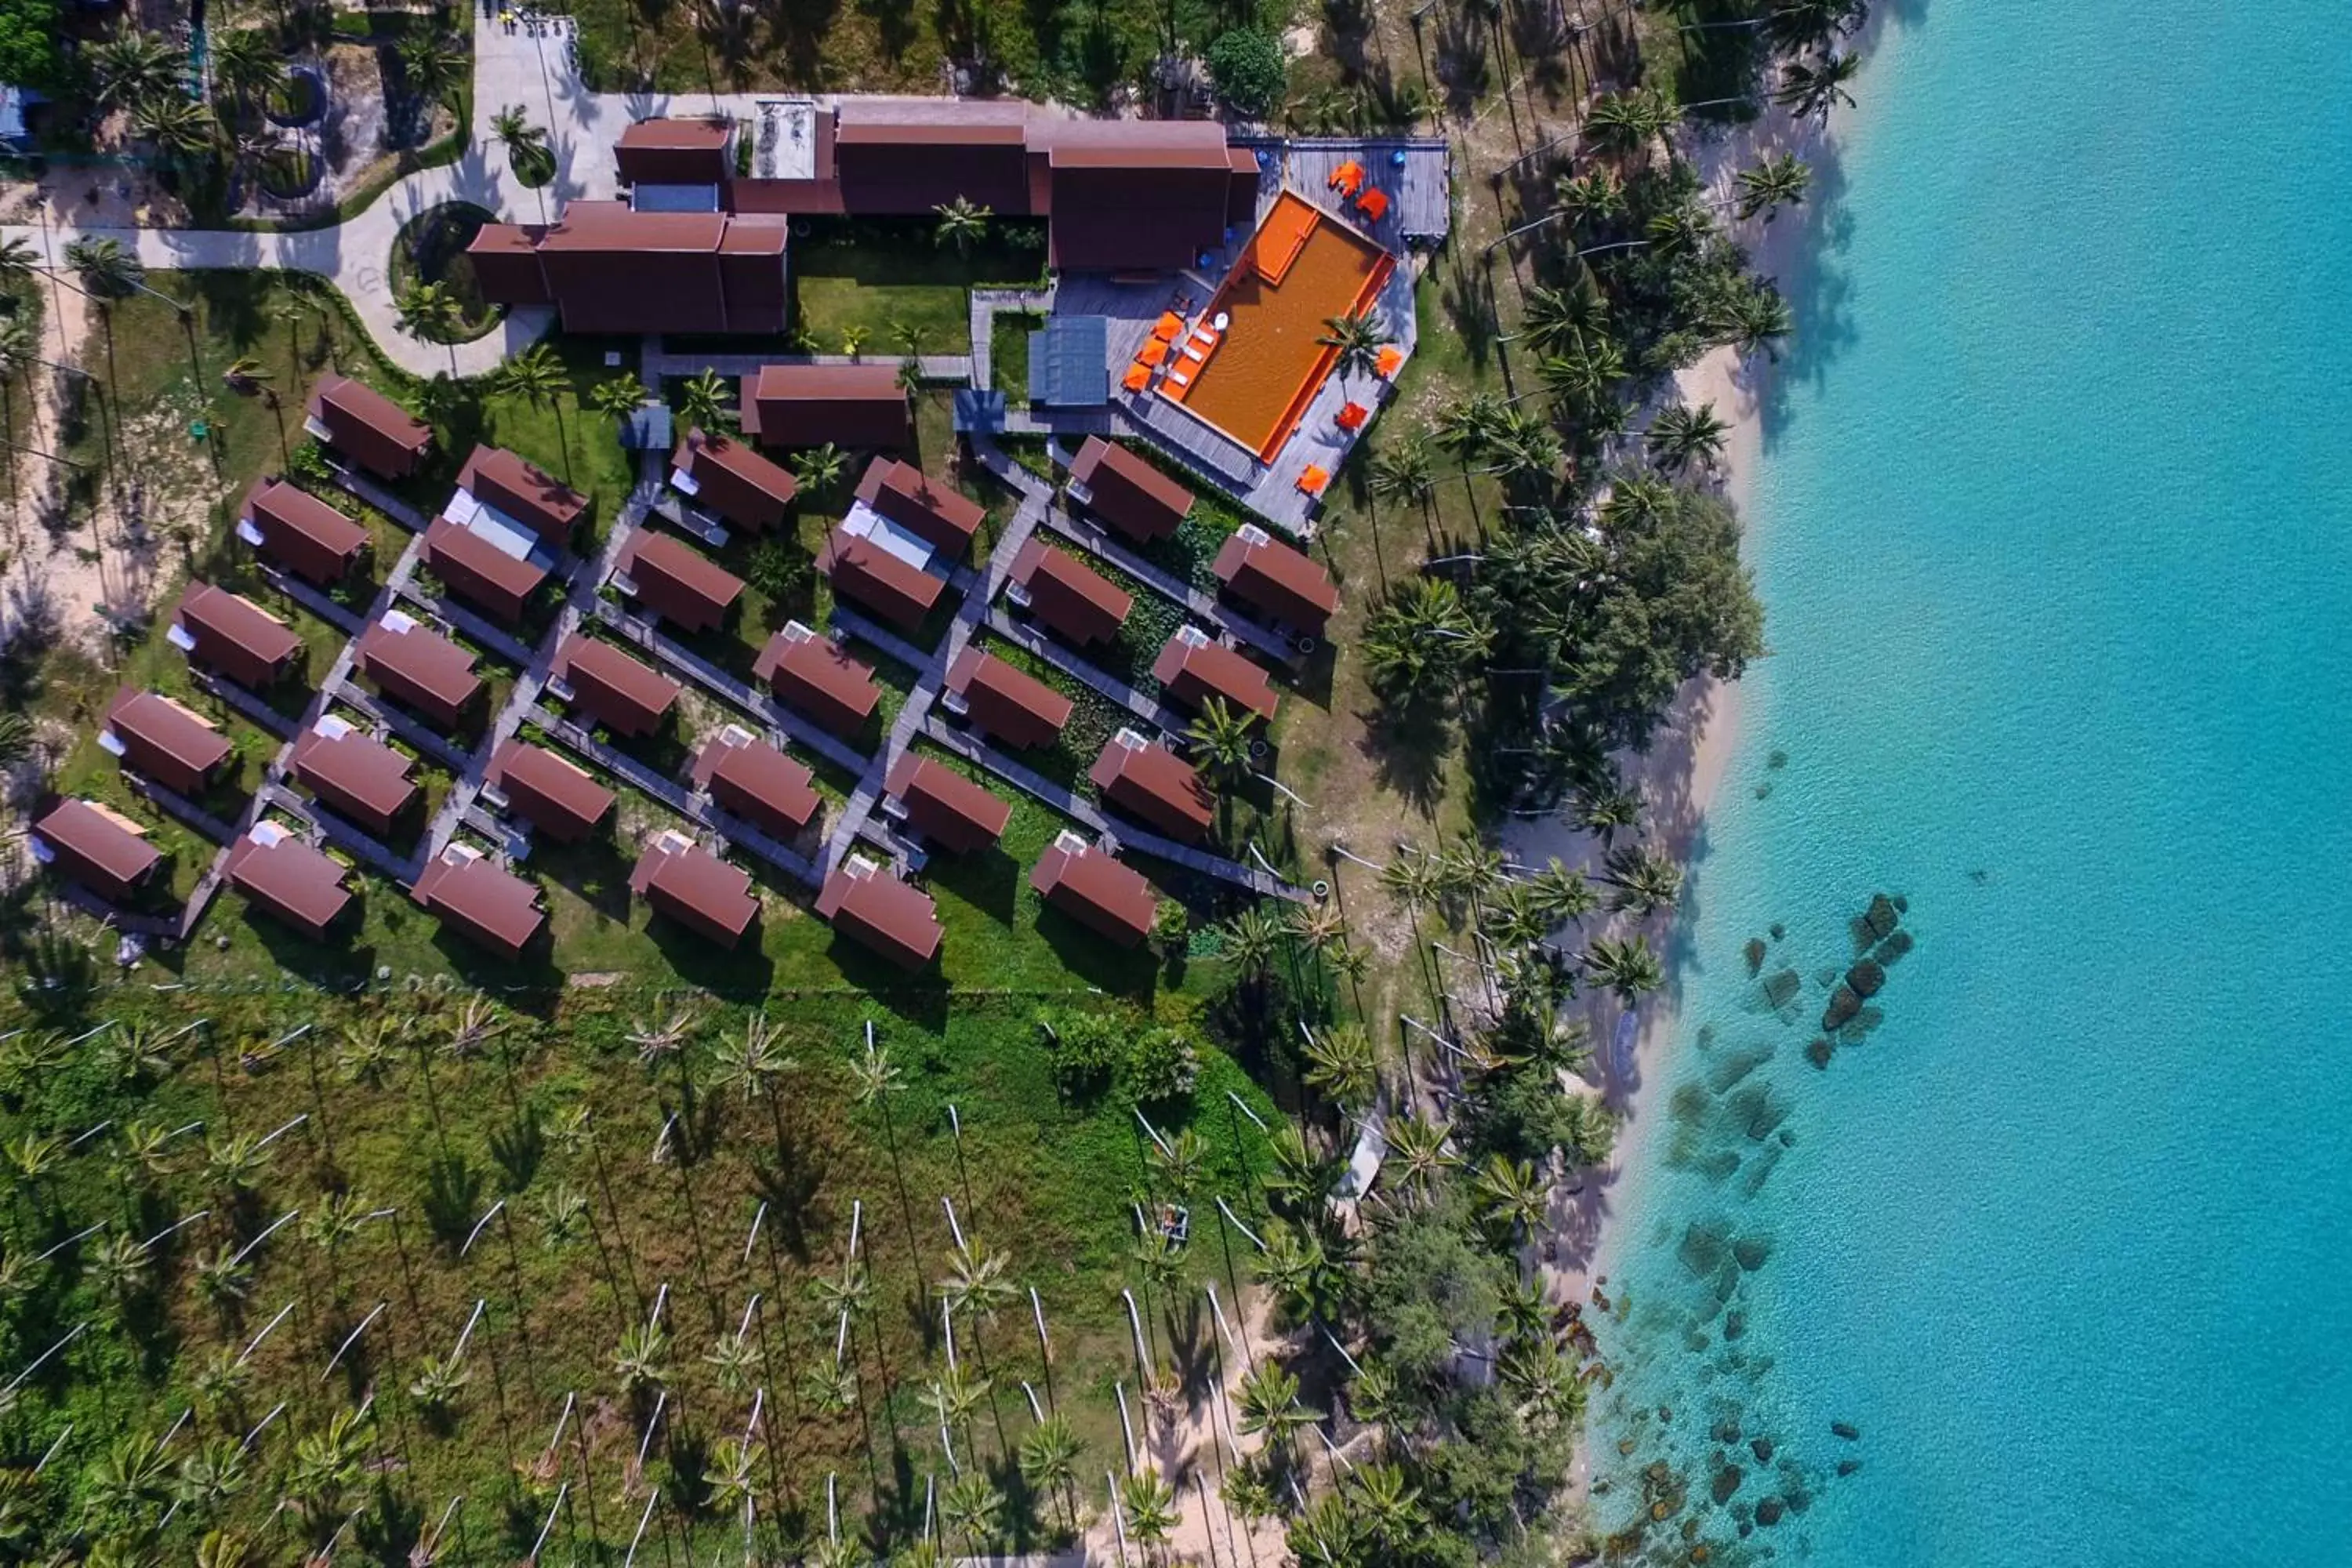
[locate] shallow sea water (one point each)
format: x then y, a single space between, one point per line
2054 526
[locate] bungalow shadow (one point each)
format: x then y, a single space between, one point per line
1097 962
989 880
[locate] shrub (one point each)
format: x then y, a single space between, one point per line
1161 1069
782 570
1087 1049
1247 66
1172 929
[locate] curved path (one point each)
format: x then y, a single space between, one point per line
508 68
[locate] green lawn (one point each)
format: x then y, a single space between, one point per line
891 276
1008 352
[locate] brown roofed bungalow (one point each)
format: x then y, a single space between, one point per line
1127 492
354 773
294 529
1154 784
729 478
158 739
865 902
549 792
860 406
677 582
523 491
682 879
97 846
234 635
300 885
420 669
675 152
898 591
944 519
756 781
368 428
1007 704
1070 598
609 688
1195 667
608 267
811 675
1090 886
478 572
488 904
1277 580
943 805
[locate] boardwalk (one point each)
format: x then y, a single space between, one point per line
1071 665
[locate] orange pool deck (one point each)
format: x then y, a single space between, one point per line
1299 269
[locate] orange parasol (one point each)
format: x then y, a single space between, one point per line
1312 479
1151 353
1169 325
1353 415
1137 378
1373 205
1391 358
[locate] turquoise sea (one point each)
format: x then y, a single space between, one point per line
2054 525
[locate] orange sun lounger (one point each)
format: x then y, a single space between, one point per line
1353 415
1312 478
1390 359
1373 205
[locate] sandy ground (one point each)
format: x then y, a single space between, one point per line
63 561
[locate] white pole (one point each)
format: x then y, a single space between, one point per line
264 1333
274 1226
354 1334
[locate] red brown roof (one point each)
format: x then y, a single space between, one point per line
300 885
943 518
1284 583
1009 704
370 428
858 407
480 573
549 792
1128 493
675 152
946 808
756 781
612 270
164 742
1090 886
677 582
1154 784
906 156
897 922
235 637
1195 667
807 672
613 689
97 846
302 534
897 591
682 879
419 668
1069 596
354 773
491 905
524 491
736 482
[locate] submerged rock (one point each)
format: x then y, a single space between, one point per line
1702 1250
1847 1430
1727 1483
1893 948
1734 1325
1727 1071
1769 1511
1843 1005
1763 1449
1782 988
1777 930
1865 978
1848 1466
1755 950
1820 1052
1727 1430
1882 917
1751 1251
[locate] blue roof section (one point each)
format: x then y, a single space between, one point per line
979 408
1069 363
648 429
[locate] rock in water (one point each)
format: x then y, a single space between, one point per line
1727 1430
1844 1004
1755 950
1820 1052
1893 948
1884 917
1865 979
1734 1325
1847 1430
1763 1449
1727 1481
1768 1513
1782 988
1751 1251
1848 1466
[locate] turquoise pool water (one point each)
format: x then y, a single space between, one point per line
2056 529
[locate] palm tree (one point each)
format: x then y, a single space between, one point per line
1626 966
854 338
1756 318
211 1478
734 1362
130 67
436 67
735 1484
1595 196
1584 372
1794 25
430 311
1180 1161
1342 1067
1645 880
1420 640
972 1509
642 1360
538 376
117 1266
1553 319
1267 1402
527 152
1510 1192
1588 1129
1219 737
234 1163
1812 90
228 1549
131 1478
372 1049
1049 1461
438 1381
1401 469
247 66
755 1063
974 1283
1418 1149
820 467
702 402
1681 435
667 1037
962 224
1562 893
1150 1508
1389 1508
1254 939
618 398
1357 341
105 268
1780 181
